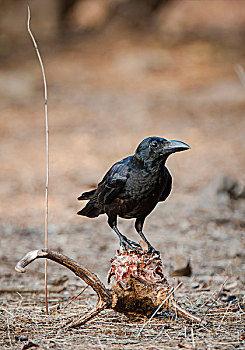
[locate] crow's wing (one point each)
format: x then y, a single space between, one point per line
113 182
107 190
167 185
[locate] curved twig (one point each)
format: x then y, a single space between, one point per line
186 314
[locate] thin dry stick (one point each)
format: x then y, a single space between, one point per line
47 151
218 296
10 341
159 307
192 337
75 297
9 313
224 315
215 292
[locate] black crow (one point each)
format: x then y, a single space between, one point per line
133 186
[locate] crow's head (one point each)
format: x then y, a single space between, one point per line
157 148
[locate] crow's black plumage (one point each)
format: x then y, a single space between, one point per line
133 186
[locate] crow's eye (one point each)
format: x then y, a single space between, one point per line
154 144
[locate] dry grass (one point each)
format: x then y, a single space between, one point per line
215 293
25 317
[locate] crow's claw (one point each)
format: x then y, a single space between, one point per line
153 251
132 243
126 243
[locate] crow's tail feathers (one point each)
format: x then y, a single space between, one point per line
86 195
90 211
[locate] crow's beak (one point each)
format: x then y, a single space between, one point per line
175 146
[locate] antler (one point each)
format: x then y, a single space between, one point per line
89 277
139 287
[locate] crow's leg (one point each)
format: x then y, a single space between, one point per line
139 226
124 241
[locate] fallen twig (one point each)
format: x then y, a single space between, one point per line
75 297
159 307
224 315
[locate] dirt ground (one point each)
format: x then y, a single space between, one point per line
105 96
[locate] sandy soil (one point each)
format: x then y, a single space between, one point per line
105 96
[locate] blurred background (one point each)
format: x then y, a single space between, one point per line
119 71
